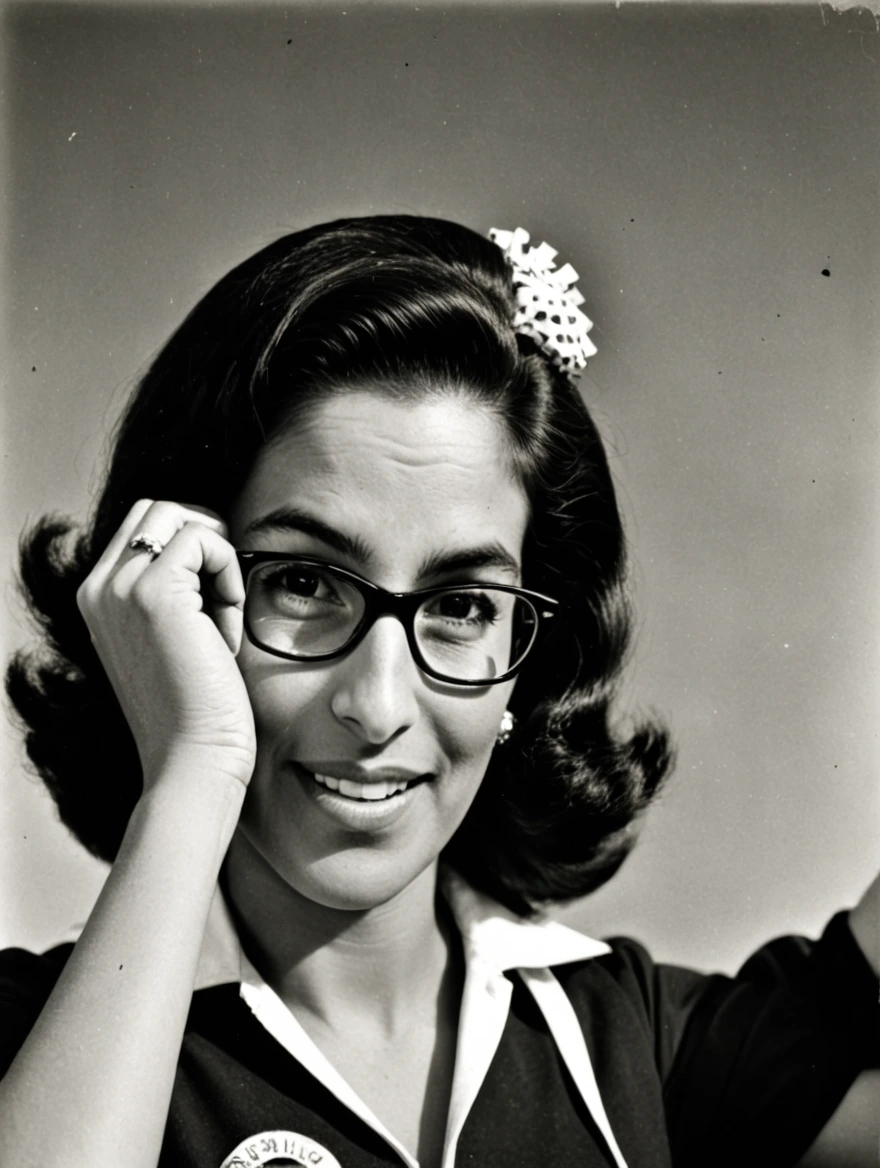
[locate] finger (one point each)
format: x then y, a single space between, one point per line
229 620
227 593
162 521
107 560
200 560
216 521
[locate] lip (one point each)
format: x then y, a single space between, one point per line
355 814
356 773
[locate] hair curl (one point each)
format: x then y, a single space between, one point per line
416 307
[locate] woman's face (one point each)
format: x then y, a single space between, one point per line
408 496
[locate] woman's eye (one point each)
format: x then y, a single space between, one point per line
300 583
473 607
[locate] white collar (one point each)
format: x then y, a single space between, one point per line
494 940
491 934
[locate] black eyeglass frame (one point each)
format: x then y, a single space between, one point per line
403 605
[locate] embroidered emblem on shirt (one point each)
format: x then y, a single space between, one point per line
266 1147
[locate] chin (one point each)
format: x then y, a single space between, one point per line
353 879
355 892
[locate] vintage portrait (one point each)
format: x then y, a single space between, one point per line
440 559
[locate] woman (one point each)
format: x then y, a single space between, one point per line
343 635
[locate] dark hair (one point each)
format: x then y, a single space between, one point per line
419 306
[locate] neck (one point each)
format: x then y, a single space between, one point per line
388 961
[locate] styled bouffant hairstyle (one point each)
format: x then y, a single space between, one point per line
416 307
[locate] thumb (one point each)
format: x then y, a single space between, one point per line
229 619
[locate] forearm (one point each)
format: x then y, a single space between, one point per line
93 1081
864 921
852 1135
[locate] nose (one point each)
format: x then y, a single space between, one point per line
375 690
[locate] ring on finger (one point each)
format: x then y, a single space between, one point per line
144 542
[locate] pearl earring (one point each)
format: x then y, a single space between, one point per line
506 728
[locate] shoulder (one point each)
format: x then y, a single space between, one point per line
792 994
792 966
628 973
26 980
624 995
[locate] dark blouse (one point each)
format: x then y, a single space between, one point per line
693 1069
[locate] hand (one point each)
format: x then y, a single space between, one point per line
167 631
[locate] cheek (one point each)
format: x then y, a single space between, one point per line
467 731
293 714
283 699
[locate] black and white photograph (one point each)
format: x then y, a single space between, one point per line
440 551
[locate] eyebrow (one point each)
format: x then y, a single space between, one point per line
291 519
488 555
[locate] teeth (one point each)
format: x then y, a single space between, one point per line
364 790
371 791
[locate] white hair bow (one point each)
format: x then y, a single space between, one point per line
548 303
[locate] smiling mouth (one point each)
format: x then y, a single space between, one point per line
365 792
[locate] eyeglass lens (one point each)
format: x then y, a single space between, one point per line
471 633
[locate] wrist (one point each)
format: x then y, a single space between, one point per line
191 804
186 764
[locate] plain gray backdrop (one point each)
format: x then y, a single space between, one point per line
711 172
